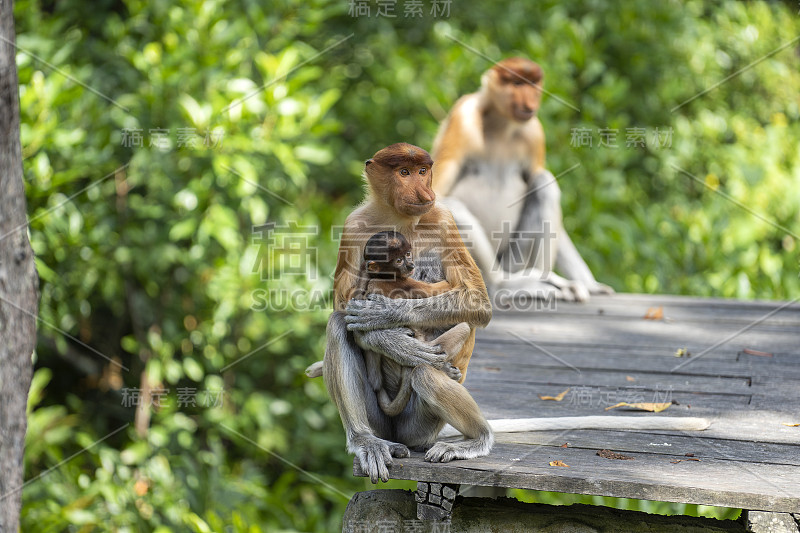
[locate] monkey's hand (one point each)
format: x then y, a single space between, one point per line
376 312
453 372
600 288
571 290
399 345
375 455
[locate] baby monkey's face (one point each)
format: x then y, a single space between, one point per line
404 265
388 256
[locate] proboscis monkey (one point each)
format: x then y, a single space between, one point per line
490 161
400 198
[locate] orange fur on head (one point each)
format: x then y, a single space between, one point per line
516 88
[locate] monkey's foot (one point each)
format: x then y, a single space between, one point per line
375 455
315 370
554 287
444 452
571 290
579 291
600 288
399 450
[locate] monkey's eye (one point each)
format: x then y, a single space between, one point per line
517 82
405 172
408 254
423 170
399 262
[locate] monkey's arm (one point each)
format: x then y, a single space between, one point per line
350 278
399 345
408 288
460 135
568 260
534 134
467 302
425 290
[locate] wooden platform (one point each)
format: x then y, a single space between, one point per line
743 374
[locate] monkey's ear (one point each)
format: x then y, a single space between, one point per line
367 162
372 266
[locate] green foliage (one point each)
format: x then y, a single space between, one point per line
645 506
149 256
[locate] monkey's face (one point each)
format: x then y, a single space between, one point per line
397 265
413 194
402 174
515 88
404 266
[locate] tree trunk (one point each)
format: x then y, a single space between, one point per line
18 286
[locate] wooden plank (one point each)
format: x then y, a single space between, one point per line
708 482
499 344
674 307
585 358
502 403
672 445
694 335
531 376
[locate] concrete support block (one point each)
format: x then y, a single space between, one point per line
379 511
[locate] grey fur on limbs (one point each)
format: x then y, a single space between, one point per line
375 438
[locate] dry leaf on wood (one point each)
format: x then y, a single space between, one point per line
558 463
651 407
608 454
556 398
790 424
654 313
687 459
630 378
682 352
565 445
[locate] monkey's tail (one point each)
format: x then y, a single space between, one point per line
512 425
396 406
315 370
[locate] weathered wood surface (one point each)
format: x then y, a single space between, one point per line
606 352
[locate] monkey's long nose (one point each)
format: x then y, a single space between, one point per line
426 195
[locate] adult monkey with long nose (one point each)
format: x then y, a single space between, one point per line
400 198
492 145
